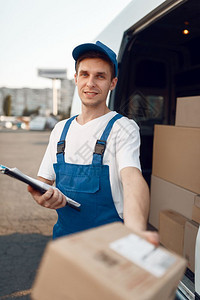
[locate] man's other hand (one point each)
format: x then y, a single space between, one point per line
53 198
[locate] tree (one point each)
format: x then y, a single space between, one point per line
25 112
7 105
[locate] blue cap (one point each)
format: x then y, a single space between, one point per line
98 46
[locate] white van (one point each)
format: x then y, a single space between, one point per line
136 13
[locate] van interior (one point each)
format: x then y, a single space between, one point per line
157 64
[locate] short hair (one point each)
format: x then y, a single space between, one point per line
96 54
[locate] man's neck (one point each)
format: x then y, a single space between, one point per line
89 114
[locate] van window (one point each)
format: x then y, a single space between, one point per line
145 109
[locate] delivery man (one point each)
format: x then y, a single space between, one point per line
94 157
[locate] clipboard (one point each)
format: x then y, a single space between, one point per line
38 185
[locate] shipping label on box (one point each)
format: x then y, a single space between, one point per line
99 264
144 254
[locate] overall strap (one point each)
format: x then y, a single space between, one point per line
101 144
61 144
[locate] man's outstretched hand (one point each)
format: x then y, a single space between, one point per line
151 236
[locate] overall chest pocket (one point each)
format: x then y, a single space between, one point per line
80 183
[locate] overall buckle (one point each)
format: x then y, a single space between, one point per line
100 147
61 147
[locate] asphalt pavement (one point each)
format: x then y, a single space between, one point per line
25 227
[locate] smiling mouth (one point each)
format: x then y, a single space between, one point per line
90 93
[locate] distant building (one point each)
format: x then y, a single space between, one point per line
66 95
31 99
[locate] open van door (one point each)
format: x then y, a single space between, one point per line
157 64
159 61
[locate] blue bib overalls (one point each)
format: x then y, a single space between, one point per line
87 184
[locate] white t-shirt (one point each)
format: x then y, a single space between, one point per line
122 149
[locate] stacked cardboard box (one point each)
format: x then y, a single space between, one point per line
191 229
176 156
188 112
110 263
172 228
175 182
166 195
196 209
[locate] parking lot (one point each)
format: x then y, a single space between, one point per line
25 227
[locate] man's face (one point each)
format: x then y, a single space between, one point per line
93 79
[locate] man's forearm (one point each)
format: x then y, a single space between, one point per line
136 199
50 182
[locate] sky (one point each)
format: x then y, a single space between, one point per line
42 34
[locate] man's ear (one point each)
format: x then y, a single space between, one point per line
113 83
75 78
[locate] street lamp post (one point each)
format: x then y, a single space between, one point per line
55 98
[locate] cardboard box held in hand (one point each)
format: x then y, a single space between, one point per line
109 262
